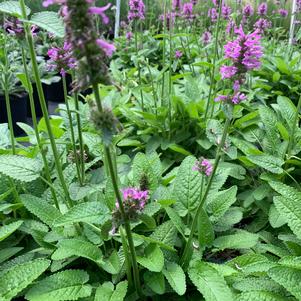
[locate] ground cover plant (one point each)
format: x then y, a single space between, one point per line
171 170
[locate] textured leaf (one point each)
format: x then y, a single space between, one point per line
9 252
291 261
12 8
91 212
153 258
40 208
275 218
17 260
240 240
209 282
106 292
66 285
155 281
78 192
165 233
175 277
77 247
205 230
221 203
260 296
17 278
287 109
50 22
176 220
288 205
20 168
268 162
112 264
187 187
7 230
290 278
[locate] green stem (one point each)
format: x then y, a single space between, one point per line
35 67
73 141
188 247
214 61
35 127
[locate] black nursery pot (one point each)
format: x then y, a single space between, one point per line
37 105
18 110
55 91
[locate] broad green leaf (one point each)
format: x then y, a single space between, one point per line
268 162
205 230
221 202
152 259
175 277
275 218
288 205
77 247
66 285
176 220
9 252
40 208
112 264
291 261
17 278
209 282
91 212
240 240
50 22
7 230
17 261
260 296
166 233
106 292
287 109
20 168
290 278
155 281
187 187
13 8
78 192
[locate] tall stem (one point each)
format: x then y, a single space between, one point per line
35 127
44 106
187 250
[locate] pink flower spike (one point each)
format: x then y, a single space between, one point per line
108 48
100 11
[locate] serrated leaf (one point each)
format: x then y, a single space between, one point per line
290 278
66 285
112 264
155 281
209 282
9 229
275 218
291 261
9 252
268 162
221 202
17 278
13 8
40 208
50 22
20 168
205 230
77 247
175 277
106 292
176 220
260 296
187 187
240 240
78 192
17 260
165 233
152 259
91 212
287 109
288 205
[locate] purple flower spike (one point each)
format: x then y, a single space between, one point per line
248 11
206 37
203 166
283 12
262 9
228 71
136 10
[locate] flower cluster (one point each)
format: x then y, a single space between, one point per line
212 13
168 19
248 11
226 12
262 9
176 5
283 12
136 10
187 11
203 166
262 25
61 59
134 201
178 54
15 27
206 37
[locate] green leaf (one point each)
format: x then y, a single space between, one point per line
288 205
276 219
66 285
78 192
155 281
13 8
176 220
20 168
291 261
50 22
9 252
166 233
40 208
260 296
209 282
152 259
241 240
221 203
17 278
106 292
287 109
77 247
187 187
268 162
290 278
175 277
7 230
112 264
91 212
205 230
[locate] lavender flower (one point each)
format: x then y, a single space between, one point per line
226 12
203 166
178 54
248 11
262 9
237 98
136 10
228 71
262 25
61 59
187 11
231 26
176 5
283 12
206 37
129 35
212 13
168 19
